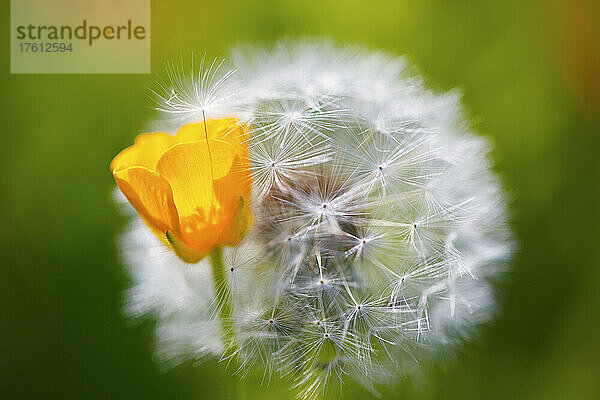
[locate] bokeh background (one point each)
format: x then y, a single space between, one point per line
530 73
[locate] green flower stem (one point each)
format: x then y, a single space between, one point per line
222 295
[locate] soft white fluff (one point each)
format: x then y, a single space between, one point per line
378 221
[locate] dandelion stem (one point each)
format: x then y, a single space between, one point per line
222 296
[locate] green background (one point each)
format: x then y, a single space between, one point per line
527 69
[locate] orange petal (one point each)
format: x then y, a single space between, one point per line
229 130
183 251
146 150
190 169
233 193
150 195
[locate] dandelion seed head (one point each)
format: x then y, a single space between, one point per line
377 221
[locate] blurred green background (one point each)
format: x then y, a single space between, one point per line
529 71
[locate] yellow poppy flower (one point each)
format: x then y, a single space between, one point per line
192 189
